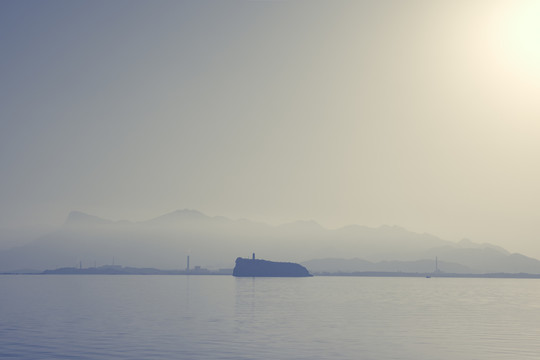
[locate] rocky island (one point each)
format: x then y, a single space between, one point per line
264 268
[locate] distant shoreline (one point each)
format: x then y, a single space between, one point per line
431 275
119 270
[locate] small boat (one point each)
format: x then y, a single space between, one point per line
428 276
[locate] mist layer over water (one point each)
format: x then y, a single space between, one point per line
221 317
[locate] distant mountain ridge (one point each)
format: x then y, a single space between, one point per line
360 265
214 242
77 218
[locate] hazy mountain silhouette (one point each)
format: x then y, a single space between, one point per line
359 265
468 244
180 216
165 241
77 218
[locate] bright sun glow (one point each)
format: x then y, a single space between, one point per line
521 35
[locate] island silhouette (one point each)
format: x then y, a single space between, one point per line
264 268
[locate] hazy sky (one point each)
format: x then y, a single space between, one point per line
423 114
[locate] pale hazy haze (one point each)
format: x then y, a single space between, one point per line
423 114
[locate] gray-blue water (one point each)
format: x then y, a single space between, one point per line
221 317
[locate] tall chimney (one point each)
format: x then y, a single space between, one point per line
187 268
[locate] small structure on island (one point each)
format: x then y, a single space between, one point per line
264 268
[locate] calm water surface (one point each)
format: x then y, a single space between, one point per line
221 317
